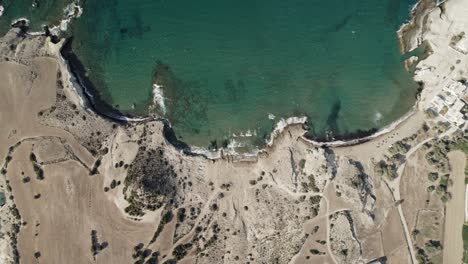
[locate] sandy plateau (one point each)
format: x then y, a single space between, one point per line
80 188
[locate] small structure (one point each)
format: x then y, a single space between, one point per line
454 114
459 89
448 97
460 43
456 87
449 103
437 104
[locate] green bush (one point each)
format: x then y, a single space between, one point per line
444 180
465 235
2 199
433 176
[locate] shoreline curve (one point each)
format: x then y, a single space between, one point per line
90 100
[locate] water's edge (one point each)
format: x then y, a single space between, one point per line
106 110
91 100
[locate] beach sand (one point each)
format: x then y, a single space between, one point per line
294 202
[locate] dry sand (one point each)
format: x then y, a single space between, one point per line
72 203
294 203
455 210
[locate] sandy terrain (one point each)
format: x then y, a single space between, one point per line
88 189
455 217
69 202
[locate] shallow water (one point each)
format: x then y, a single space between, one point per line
47 12
227 66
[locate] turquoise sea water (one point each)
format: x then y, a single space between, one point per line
45 12
226 66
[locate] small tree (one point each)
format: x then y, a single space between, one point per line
433 176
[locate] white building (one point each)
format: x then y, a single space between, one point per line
437 103
449 97
454 114
450 102
455 87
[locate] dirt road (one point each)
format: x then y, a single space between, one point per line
453 242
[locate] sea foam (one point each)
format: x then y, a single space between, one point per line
71 11
1 10
158 97
377 117
284 123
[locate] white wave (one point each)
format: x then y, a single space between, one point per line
213 155
1 10
248 133
71 11
282 124
233 144
26 21
377 117
271 116
158 97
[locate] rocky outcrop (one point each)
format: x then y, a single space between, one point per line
344 243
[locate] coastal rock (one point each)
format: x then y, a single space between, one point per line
136 196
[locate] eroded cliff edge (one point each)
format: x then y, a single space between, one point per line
122 193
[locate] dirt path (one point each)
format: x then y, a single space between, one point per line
453 241
394 187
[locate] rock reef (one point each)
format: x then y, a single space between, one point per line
126 193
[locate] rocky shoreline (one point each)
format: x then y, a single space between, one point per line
95 103
91 95
72 172
92 100
409 33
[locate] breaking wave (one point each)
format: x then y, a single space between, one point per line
158 97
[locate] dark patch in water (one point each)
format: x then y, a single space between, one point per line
333 132
185 105
343 136
136 31
332 119
170 135
234 90
339 26
102 108
92 94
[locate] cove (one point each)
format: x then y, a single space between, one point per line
230 70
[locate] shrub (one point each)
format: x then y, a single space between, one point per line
2 199
433 176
